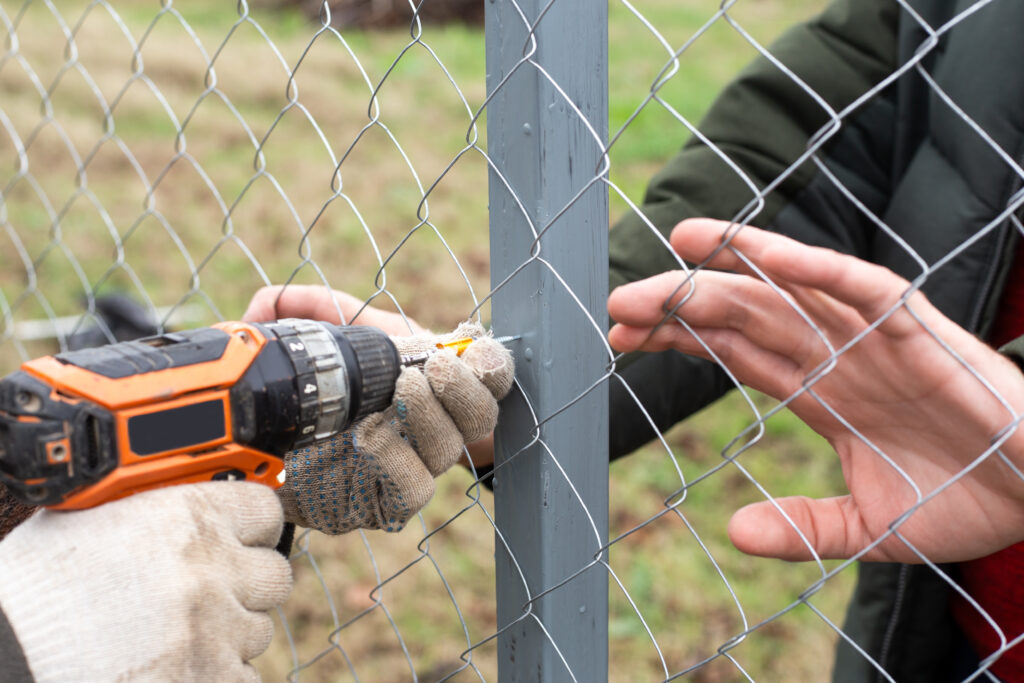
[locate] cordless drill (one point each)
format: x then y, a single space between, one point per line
223 402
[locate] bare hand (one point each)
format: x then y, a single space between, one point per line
329 305
906 394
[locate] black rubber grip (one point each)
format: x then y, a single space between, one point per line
171 350
377 364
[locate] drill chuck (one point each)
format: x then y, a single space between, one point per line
342 374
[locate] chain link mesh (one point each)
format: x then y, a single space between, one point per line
184 155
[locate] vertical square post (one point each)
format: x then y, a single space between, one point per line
546 128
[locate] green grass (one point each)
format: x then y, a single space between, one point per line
159 228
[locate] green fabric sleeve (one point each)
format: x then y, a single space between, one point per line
762 121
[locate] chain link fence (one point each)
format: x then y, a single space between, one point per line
180 155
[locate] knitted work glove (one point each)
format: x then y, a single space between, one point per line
167 585
380 474
12 511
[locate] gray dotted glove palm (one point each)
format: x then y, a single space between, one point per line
381 473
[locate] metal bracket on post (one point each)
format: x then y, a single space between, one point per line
546 130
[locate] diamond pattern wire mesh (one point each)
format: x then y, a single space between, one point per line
186 155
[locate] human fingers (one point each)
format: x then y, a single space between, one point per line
256 631
828 526
644 303
754 366
301 301
368 478
723 301
252 510
833 527
229 637
871 290
427 342
700 240
465 398
481 452
404 485
263 577
247 673
492 364
429 428
266 578
320 303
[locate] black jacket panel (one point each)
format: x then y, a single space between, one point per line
13 666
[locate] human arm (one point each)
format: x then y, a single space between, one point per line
899 386
381 472
170 584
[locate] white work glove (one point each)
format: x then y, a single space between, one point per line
168 585
380 474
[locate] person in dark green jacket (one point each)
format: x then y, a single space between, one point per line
916 130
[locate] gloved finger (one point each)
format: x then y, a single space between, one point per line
427 341
234 632
220 634
408 345
404 484
236 671
428 427
248 674
223 669
465 398
492 363
265 578
468 329
251 509
259 632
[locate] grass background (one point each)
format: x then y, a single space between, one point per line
159 193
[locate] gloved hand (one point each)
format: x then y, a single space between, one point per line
380 473
168 585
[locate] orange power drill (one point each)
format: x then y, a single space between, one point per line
224 402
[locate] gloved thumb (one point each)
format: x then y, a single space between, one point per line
492 364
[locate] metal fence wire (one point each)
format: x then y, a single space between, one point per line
182 154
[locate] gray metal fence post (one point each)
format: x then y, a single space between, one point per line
546 159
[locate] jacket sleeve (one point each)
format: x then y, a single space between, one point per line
13 666
763 122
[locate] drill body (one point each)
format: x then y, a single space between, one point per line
223 402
